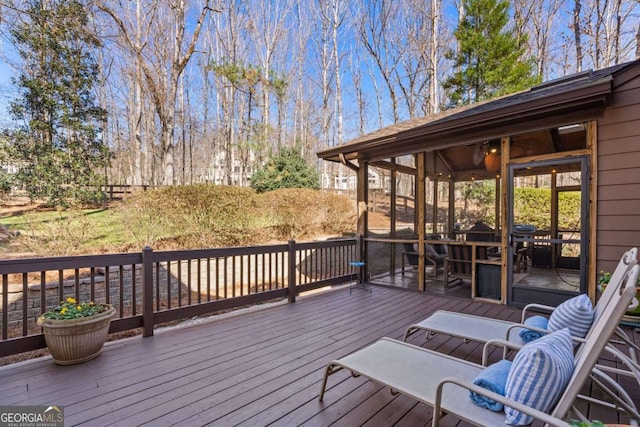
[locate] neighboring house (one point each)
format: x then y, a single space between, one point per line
241 169
346 179
585 125
10 168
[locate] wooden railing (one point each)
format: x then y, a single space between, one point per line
150 288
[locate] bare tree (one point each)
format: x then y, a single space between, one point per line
577 34
268 25
374 27
162 62
401 38
432 105
604 39
638 39
537 19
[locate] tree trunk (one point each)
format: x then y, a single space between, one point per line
336 23
577 34
432 104
638 42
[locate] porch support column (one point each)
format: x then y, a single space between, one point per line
592 146
394 217
452 209
434 222
554 219
505 153
363 213
421 206
497 204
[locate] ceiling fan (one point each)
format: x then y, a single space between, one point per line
489 153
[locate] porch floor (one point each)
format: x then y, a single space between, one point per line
567 280
255 368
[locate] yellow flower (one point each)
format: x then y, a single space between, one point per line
64 310
79 308
71 300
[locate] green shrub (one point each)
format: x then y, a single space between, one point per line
533 206
6 182
287 169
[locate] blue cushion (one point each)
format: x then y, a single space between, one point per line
575 314
493 378
527 335
539 374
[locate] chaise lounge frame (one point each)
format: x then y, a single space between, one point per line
443 382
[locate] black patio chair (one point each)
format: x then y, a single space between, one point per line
431 257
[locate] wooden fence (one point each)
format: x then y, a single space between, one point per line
117 192
149 288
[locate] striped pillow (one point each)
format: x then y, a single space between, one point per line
539 374
575 314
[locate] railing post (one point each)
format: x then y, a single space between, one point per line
292 271
147 291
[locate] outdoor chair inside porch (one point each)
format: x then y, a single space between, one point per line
460 263
432 258
444 382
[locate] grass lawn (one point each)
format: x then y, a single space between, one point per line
181 217
63 232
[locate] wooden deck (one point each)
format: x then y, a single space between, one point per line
257 368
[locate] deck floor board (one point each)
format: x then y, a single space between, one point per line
255 368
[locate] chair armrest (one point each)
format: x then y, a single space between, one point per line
523 326
540 308
436 259
505 345
542 416
409 261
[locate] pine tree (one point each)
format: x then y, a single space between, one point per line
58 144
490 58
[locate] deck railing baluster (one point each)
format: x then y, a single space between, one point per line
5 303
169 285
208 279
121 288
199 280
179 268
256 274
157 282
134 298
107 286
25 304
43 292
147 291
93 283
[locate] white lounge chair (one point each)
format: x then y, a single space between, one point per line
484 329
442 381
